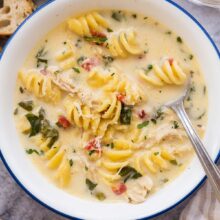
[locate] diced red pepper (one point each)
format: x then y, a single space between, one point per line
63 122
89 63
121 97
142 114
119 189
170 61
97 34
91 145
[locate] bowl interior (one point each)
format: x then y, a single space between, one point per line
12 59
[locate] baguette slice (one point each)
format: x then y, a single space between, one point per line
13 13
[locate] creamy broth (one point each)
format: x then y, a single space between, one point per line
89 105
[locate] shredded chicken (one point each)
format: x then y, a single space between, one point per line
137 190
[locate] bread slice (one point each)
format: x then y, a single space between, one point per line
12 14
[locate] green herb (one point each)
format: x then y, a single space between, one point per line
165 180
96 40
142 125
126 114
90 184
174 162
86 168
35 123
107 60
145 18
156 153
40 125
154 121
91 152
179 40
16 111
40 56
204 90
76 70
117 15
100 196
128 172
21 90
134 16
109 30
175 125
191 56
64 42
28 105
31 151
149 68
168 32
57 72
201 116
71 162
80 60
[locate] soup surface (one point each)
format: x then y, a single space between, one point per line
89 105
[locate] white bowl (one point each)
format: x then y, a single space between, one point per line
21 167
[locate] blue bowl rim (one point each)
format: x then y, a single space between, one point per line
72 217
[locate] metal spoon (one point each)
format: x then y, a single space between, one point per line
209 166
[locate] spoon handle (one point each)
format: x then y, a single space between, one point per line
209 166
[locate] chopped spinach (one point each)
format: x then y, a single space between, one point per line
95 39
126 114
165 180
41 125
100 196
81 59
31 151
179 40
142 125
128 172
76 70
71 162
156 153
174 162
109 30
149 68
191 56
35 123
175 125
16 111
21 89
27 105
201 116
90 184
40 56
117 15
107 60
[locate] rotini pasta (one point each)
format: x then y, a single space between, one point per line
153 161
88 23
115 159
56 160
123 44
41 86
169 73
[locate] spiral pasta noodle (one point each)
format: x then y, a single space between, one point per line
85 24
56 160
114 159
170 73
41 86
123 44
153 161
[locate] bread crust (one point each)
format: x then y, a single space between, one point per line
13 13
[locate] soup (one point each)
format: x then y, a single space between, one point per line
89 105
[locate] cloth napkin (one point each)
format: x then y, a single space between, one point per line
203 206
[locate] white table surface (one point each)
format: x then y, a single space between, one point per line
16 205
